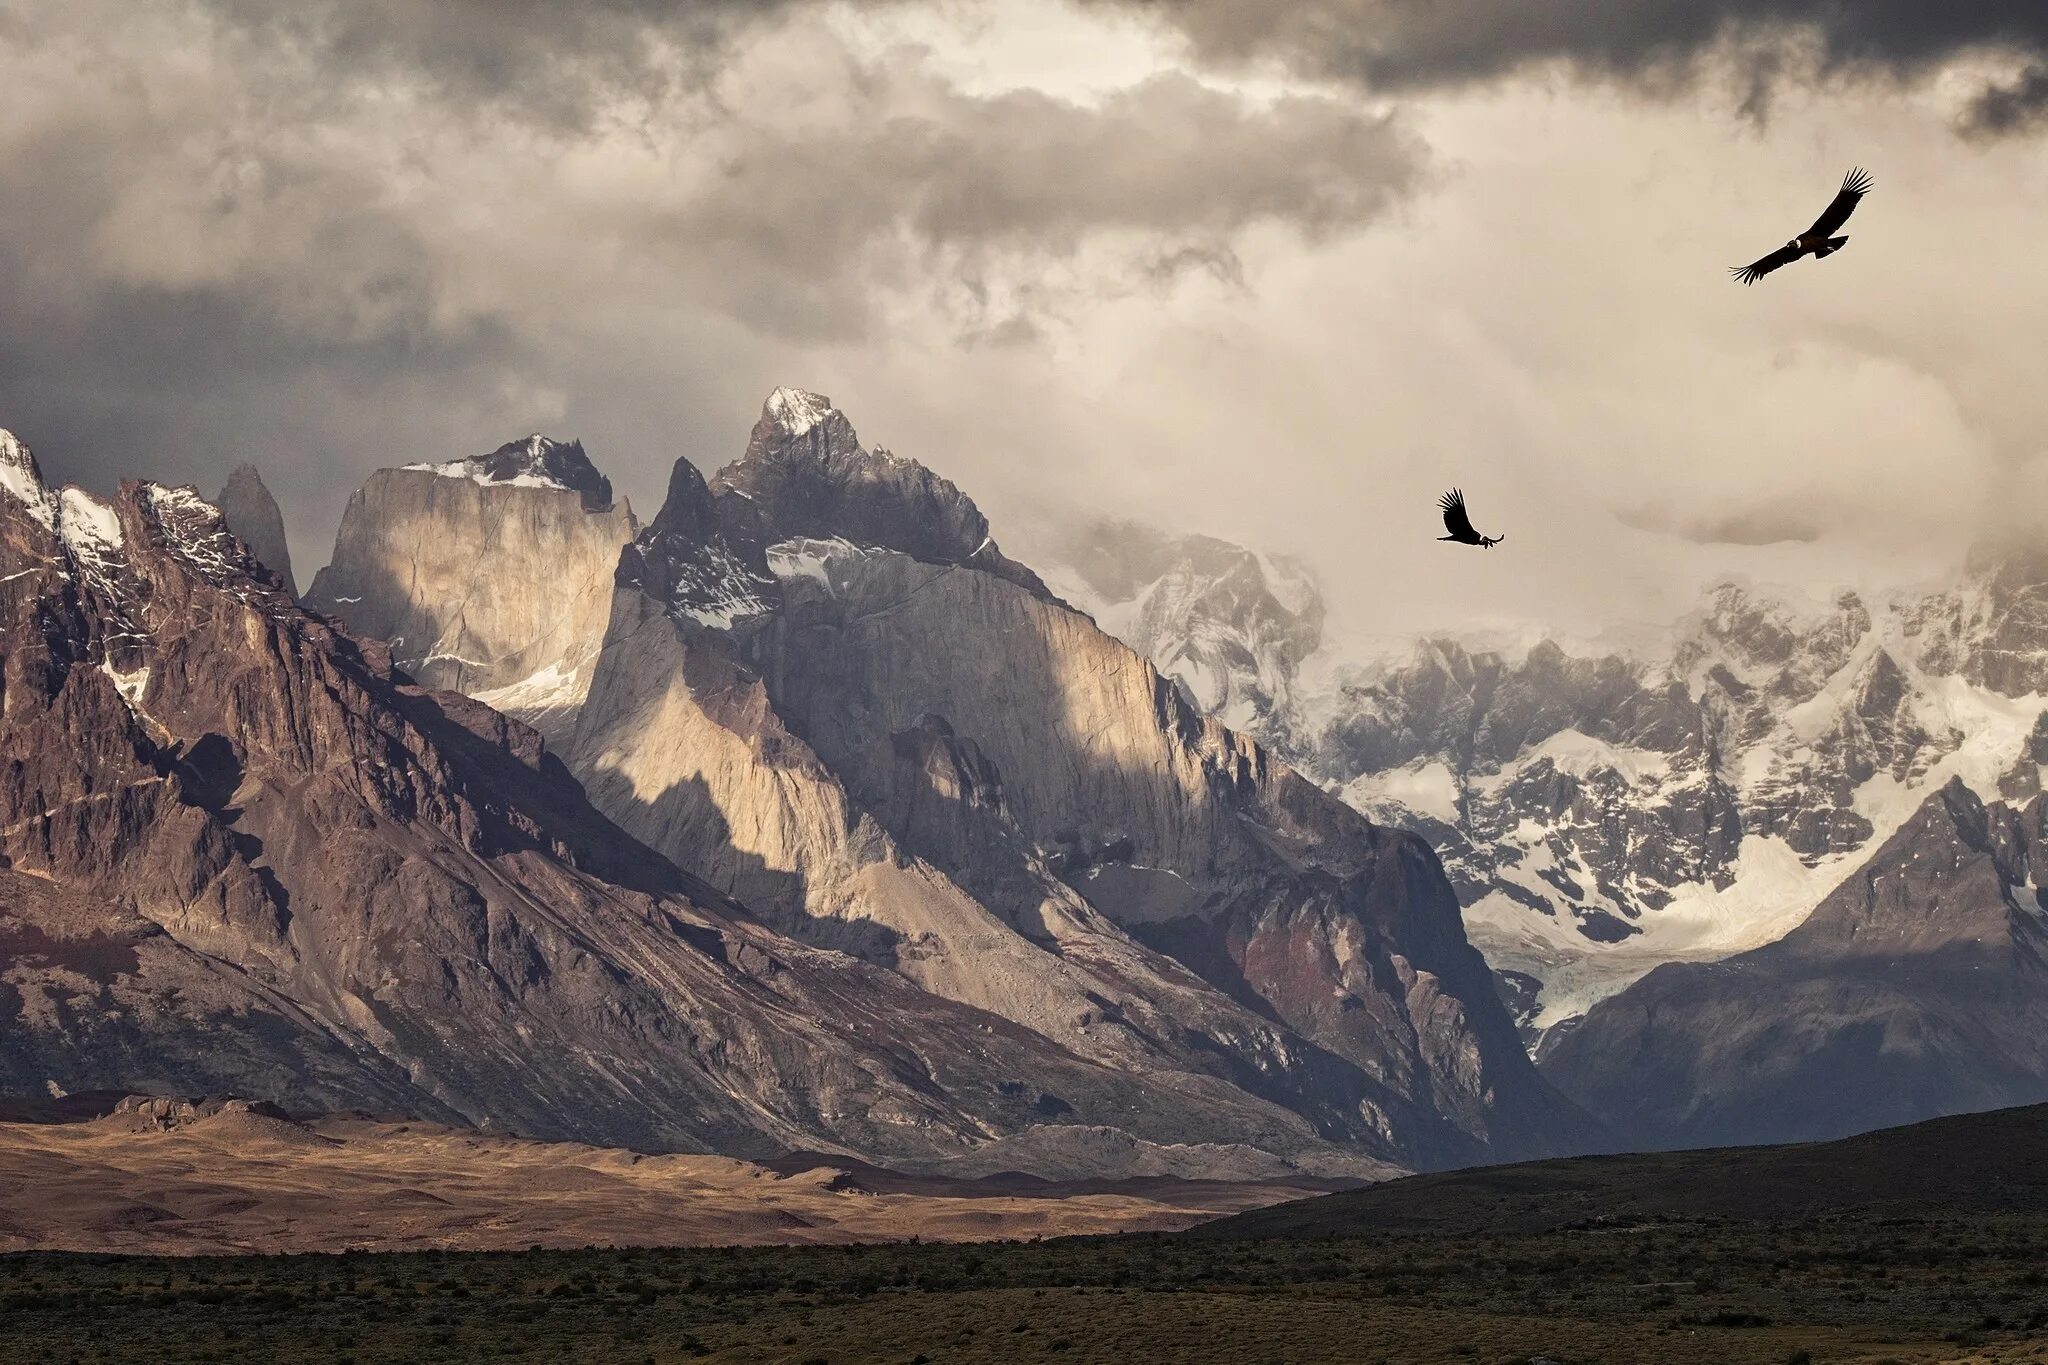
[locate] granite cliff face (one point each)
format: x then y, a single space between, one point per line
242 852
489 575
1230 627
826 690
251 513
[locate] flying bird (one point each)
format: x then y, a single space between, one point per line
1459 525
1815 241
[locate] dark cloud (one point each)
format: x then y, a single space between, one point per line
554 61
916 184
2016 106
235 231
1407 44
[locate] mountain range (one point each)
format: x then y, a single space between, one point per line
800 817
1771 876
803 817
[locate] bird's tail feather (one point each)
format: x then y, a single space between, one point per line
1829 247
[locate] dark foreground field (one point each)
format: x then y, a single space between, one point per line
1842 1289
1920 1244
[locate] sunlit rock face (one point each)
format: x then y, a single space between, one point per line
826 689
241 852
490 575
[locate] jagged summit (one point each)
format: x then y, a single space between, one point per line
23 478
796 411
691 562
826 691
534 462
253 514
90 535
482 577
805 475
284 869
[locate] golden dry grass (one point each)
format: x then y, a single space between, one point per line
241 1182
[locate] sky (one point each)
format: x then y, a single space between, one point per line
1279 274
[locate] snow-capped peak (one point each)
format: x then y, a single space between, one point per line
24 481
534 462
89 526
796 411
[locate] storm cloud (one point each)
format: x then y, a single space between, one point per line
1406 45
1277 275
2008 107
301 233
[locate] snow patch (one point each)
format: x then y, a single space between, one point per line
796 411
535 451
1772 894
20 478
808 556
1581 755
130 684
89 526
552 688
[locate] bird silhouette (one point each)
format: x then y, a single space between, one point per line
1815 241
1459 525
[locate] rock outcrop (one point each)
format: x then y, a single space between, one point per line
490 575
251 513
244 853
1918 988
826 690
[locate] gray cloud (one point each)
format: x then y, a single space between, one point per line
536 59
230 231
917 185
2016 106
1748 526
1404 45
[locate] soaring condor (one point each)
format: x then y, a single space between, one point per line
1815 241
1459 525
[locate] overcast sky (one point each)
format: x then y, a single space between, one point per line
1274 273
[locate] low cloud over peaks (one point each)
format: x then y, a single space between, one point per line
1401 45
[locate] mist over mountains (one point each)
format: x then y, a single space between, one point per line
798 815
846 835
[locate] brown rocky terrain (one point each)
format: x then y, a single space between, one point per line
244 854
826 690
1919 987
160 1176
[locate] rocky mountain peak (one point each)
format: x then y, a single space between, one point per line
22 478
692 564
1231 627
483 576
805 474
796 411
1915 988
534 462
252 514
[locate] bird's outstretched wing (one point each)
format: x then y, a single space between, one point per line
1455 520
1757 269
1855 185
